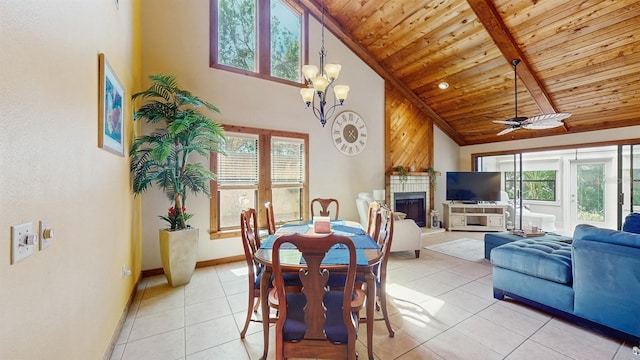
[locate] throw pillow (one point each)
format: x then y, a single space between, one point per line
632 223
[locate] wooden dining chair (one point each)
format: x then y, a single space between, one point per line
325 205
373 223
271 222
251 243
317 322
384 239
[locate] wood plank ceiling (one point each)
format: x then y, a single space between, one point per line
581 57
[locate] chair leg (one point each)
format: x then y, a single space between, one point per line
250 307
383 303
417 254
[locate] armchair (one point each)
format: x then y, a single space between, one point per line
406 233
546 222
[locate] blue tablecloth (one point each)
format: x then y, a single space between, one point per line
338 254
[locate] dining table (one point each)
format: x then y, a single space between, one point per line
368 256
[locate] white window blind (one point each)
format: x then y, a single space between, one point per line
239 166
287 161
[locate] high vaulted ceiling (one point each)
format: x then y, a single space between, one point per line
581 57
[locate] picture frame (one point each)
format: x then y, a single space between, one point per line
111 109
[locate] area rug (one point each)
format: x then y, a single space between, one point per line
465 248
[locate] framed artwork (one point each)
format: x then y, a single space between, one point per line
111 111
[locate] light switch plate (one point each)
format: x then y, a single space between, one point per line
19 247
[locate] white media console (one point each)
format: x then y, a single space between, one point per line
475 217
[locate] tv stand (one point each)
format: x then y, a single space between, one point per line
475 217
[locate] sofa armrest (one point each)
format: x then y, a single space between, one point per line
406 236
606 277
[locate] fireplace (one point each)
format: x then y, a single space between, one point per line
412 204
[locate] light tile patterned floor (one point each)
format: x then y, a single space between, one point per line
441 307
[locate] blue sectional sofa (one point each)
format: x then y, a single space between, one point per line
595 281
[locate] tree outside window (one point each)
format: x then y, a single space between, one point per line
260 37
539 185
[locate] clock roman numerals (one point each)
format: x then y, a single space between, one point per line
349 133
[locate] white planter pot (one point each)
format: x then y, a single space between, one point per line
179 250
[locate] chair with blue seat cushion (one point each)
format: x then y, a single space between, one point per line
381 223
251 243
384 237
316 322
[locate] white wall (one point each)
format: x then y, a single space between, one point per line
445 158
64 302
175 40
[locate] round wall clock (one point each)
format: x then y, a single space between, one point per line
349 133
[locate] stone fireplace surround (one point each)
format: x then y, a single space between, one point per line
415 183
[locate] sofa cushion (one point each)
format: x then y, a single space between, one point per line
549 260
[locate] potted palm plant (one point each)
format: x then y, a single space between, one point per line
163 158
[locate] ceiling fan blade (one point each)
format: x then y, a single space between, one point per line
539 125
549 117
506 122
507 130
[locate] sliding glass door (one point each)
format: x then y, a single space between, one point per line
629 187
566 187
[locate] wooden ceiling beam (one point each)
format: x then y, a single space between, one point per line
489 17
332 25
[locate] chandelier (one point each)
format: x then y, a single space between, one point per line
319 80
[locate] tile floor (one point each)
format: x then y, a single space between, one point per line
441 307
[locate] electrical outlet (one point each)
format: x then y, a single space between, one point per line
46 234
19 247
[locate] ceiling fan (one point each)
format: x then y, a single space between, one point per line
546 121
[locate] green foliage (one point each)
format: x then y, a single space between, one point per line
285 51
237 33
162 157
591 181
537 185
237 36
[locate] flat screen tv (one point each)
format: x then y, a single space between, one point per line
473 187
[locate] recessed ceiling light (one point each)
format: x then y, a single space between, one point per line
443 85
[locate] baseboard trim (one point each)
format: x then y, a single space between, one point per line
199 264
123 318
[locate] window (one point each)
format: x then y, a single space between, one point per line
262 38
537 185
237 178
259 165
